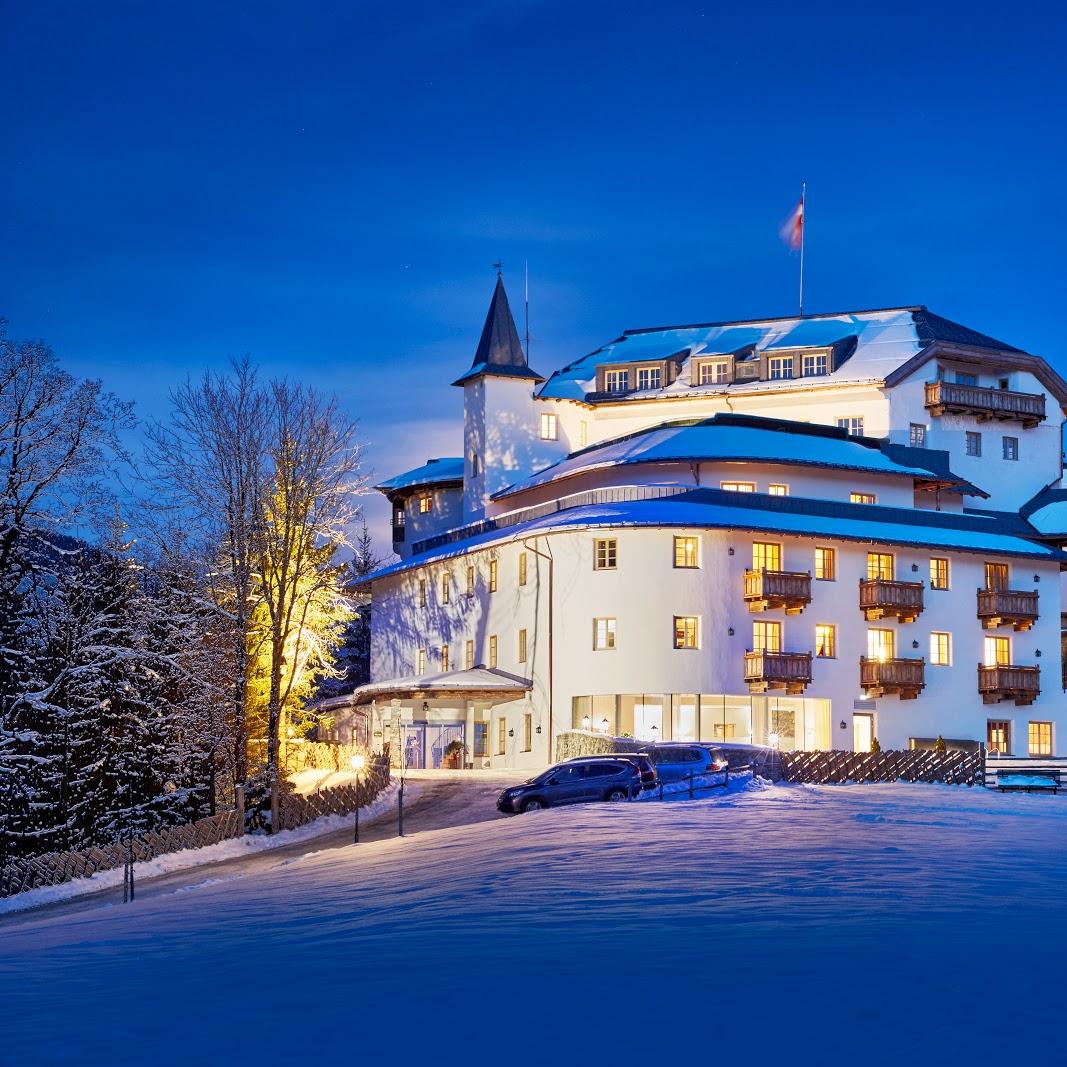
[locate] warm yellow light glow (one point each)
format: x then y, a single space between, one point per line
774 739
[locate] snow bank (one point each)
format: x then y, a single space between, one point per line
196 857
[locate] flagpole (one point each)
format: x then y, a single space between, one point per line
803 233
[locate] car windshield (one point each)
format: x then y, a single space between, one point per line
543 777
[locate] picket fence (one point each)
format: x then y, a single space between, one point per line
55 868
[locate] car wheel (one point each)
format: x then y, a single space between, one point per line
615 795
533 804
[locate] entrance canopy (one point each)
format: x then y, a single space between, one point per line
485 684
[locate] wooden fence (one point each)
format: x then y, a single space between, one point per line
916 765
55 868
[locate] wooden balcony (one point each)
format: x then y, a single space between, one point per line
1007 607
905 677
950 398
883 599
777 589
790 671
1021 684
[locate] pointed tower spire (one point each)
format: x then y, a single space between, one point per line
499 349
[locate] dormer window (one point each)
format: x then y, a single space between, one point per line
713 372
649 377
779 367
815 364
617 381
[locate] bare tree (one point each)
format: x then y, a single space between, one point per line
212 461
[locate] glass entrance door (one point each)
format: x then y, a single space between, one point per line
862 732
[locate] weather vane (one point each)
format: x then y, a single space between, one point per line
498 267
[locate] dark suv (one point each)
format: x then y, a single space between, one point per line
640 760
589 778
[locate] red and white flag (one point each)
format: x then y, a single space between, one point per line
792 231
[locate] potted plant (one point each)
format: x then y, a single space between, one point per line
454 751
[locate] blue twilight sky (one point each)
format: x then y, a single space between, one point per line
327 186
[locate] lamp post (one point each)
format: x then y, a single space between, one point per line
358 761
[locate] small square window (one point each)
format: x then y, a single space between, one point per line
825 565
917 435
549 426
938 573
940 649
852 425
974 443
686 631
778 489
714 372
1011 448
425 504
861 498
686 552
605 554
738 487
603 634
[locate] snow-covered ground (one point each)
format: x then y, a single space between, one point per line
902 924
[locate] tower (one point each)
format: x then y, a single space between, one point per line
500 433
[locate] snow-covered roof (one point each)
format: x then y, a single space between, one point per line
1050 519
718 509
729 438
485 680
884 340
432 472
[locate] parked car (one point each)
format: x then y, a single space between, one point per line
640 760
675 762
591 778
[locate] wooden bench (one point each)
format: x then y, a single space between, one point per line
1035 781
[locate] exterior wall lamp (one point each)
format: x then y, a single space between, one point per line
844 725
731 631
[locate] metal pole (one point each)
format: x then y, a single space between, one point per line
400 809
355 839
803 231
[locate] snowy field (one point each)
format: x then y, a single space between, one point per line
794 924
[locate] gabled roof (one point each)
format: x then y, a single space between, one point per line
1047 510
748 438
718 509
880 341
499 348
443 471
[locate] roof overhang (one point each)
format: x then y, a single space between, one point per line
479 683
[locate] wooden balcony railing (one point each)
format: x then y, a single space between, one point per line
985 403
1008 682
905 677
777 589
790 671
882 599
1007 607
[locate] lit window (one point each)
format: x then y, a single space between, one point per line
716 372
425 504
778 489
649 377
825 564
766 556
420 661
685 552
998 736
583 434
861 498
492 575
470 579
996 576
974 443
685 631
446 588
779 367
522 646
549 426
501 736
492 650
996 652
940 649
917 435
881 645
522 568
825 640
399 517
617 381
468 655
527 732
603 634
422 592
1040 738
938 573
481 739
880 566
738 487
766 637
1011 448
853 425
444 657
814 364
605 554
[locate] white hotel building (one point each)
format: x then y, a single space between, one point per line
808 532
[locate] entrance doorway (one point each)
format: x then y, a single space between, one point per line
438 737
862 732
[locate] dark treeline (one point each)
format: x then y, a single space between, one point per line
151 679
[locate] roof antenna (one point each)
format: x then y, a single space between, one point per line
499 268
527 310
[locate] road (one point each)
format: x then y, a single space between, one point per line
433 801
